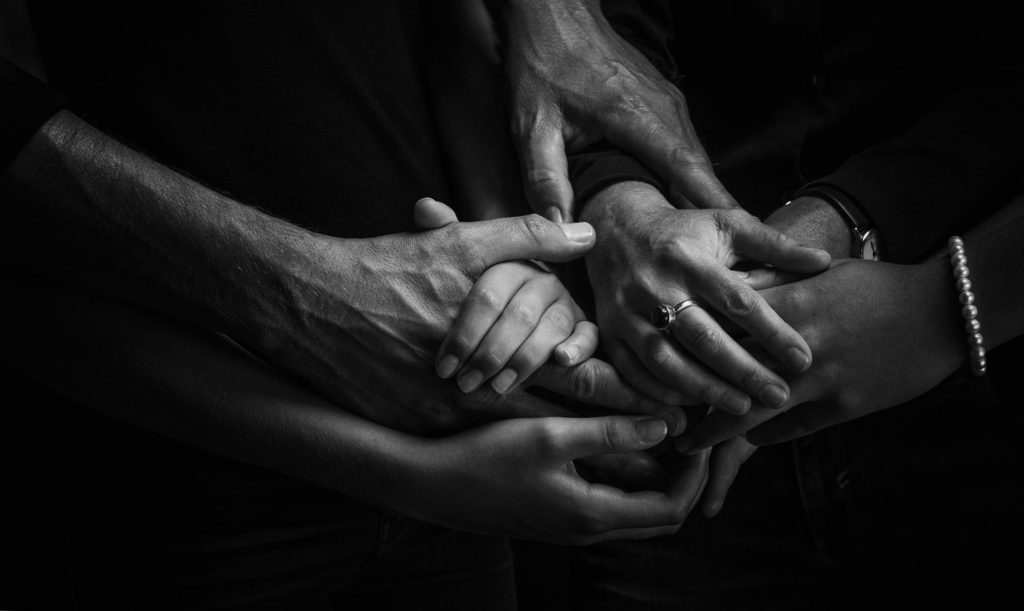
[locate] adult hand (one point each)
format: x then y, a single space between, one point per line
649 253
574 82
517 478
881 333
363 319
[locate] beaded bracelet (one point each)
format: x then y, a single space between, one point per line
975 341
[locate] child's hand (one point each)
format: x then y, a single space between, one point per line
515 318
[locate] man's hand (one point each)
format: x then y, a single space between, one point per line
364 321
575 82
649 253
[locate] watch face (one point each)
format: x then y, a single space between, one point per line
870 247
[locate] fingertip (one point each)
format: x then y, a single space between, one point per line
566 354
447 365
553 214
651 431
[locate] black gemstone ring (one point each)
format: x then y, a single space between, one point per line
664 315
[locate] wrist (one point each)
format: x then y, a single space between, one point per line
815 223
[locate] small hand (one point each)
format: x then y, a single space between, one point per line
517 478
649 253
574 82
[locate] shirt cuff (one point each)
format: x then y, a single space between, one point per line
602 165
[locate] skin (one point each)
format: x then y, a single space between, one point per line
572 82
647 253
516 477
891 333
131 229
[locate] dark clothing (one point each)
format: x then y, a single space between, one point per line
314 112
915 110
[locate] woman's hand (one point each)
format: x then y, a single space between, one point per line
517 478
881 333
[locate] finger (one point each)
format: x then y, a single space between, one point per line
519 318
747 308
582 437
763 278
726 460
693 476
482 307
704 338
596 383
555 326
629 365
800 421
674 152
718 427
666 361
580 346
765 244
485 243
545 168
629 534
428 213
627 471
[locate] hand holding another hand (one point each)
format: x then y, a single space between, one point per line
649 253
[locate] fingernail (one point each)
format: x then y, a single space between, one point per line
675 421
554 214
504 380
651 430
773 396
741 275
569 353
735 403
469 381
578 232
797 359
447 365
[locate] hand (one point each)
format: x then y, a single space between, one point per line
516 316
881 333
649 253
517 478
362 320
575 82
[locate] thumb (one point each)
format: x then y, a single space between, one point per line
525 237
610 435
541 151
432 214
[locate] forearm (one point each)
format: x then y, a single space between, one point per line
198 388
83 207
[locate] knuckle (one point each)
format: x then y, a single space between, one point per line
460 345
560 321
487 299
547 440
741 302
535 226
705 341
523 312
584 383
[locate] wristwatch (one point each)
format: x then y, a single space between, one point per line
865 241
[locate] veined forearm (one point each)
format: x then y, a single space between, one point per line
86 209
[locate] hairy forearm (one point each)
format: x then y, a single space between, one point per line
82 207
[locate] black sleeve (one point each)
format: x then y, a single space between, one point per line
647 25
961 157
25 105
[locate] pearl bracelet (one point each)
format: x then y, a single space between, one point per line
975 341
